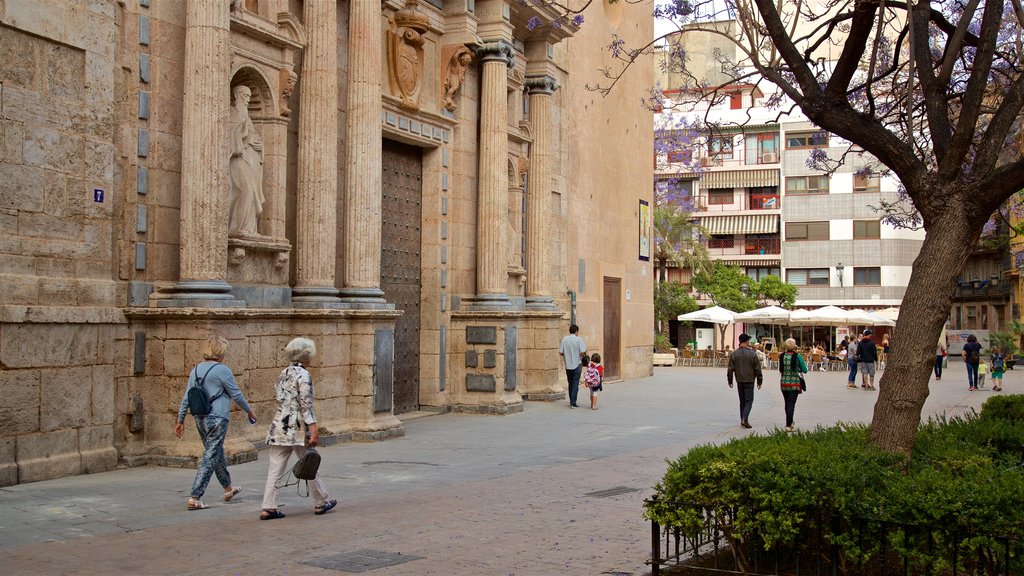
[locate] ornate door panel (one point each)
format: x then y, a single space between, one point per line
400 263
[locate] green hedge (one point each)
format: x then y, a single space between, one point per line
965 473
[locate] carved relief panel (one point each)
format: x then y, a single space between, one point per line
455 60
405 54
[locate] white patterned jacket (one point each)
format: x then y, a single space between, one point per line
294 390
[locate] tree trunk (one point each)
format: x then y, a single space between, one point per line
903 388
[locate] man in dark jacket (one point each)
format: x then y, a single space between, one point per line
744 364
867 355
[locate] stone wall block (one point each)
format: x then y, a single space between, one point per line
57 291
330 409
329 382
66 398
19 289
103 388
360 380
259 385
48 455
19 411
334 351
199 330
96 293
155 355
19 188
31 345
362 349
8 461
96 445
173 354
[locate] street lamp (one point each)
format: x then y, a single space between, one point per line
745 288
995 280
839 273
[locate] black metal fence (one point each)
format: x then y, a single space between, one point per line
826 544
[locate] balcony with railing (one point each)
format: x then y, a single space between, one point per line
738 201
743 245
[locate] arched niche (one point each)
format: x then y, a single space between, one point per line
263 258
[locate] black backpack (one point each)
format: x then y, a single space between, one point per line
199 404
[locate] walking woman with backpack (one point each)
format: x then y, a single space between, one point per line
211 387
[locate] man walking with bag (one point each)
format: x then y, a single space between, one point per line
744 365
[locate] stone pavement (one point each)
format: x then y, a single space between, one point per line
459 494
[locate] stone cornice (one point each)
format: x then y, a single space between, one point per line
504 314
499 51
541 84
10 313
259 314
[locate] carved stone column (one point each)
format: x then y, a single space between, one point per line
204 159
317 199
363 181
492 196
538 191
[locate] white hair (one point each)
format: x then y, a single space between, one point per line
300 350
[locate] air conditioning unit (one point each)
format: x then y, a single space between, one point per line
716 161
769 158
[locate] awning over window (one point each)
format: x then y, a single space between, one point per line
746 224
739 178
750 263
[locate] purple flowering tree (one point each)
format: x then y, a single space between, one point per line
931 89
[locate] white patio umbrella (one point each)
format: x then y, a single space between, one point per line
825 316
888 313
714 315
768 315
864 318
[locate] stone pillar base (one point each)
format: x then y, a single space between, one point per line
540 304
381 427
496 302
545 396
199 294
315 297
508 403
365 298
187 453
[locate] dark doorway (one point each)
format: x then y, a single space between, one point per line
401 209
612 324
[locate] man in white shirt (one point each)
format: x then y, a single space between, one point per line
572 349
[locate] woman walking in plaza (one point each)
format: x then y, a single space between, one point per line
792 366
293 429
972 357
216 381
851 362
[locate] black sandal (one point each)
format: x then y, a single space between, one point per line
271 515
325 508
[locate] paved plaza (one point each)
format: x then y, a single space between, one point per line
459 494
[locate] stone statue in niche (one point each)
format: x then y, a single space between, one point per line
456 63
405 54
246 167
288 80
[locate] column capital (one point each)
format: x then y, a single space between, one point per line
499 51
541 84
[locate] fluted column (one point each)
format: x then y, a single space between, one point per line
204 159
317 199
537 193
363 181
492 196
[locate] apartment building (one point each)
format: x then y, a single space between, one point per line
769 210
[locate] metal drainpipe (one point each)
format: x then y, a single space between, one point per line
572 306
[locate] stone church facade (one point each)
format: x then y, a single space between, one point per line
428 189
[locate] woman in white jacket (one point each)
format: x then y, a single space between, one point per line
293 429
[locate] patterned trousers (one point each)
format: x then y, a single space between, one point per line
213 430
